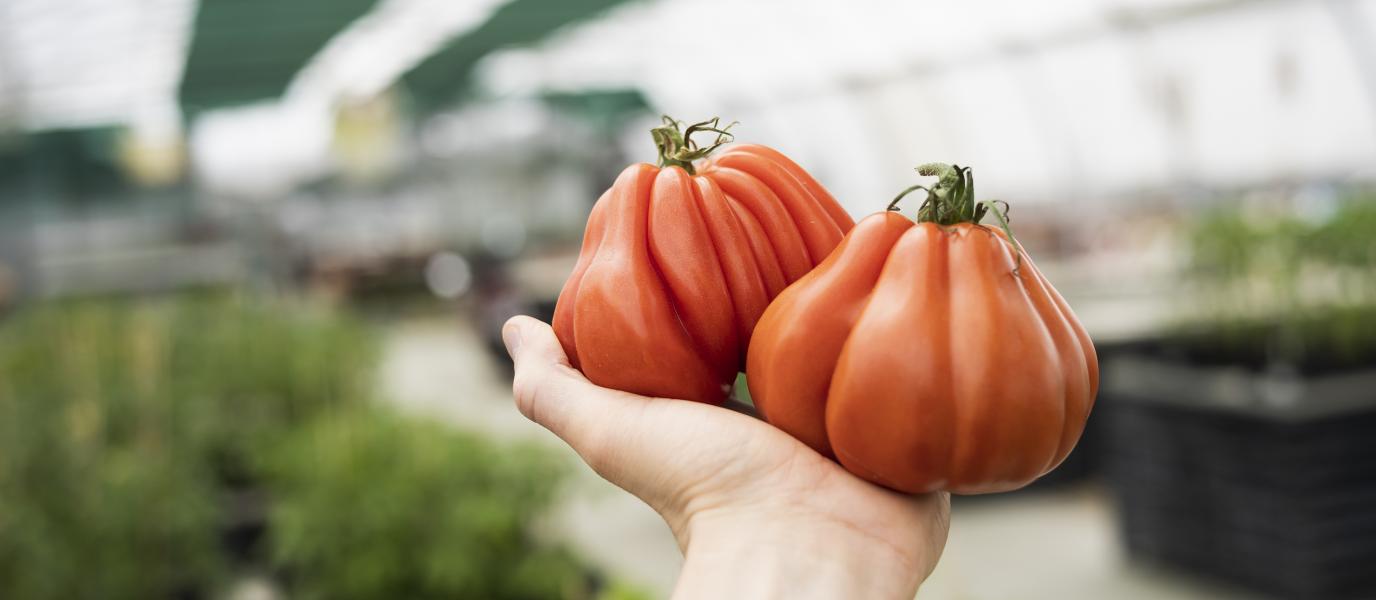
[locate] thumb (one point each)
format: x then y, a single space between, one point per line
550 392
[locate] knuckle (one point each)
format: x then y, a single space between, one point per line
525 387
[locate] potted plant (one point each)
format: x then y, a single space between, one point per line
371 504
1242 443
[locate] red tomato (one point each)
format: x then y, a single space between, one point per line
679 261
928 356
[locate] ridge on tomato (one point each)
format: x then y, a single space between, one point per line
680 259
928 356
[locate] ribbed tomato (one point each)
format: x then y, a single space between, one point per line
928 356
679 261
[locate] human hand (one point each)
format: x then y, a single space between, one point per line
756 513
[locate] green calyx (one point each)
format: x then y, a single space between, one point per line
676 146
952 200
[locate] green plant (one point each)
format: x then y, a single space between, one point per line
374 505
102 491
124 424
620 590
255 372
120 423
1278 288
115 523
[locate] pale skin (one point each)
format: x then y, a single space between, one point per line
756 513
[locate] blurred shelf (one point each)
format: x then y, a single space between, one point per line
160 268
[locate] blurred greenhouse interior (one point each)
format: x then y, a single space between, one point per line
255 256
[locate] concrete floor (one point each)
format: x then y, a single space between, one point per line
1051 545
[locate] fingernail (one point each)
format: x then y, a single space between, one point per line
511 336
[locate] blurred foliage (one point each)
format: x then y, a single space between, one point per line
223 375
259 372
1285 288
126 429
374 505
122 422
620 590
81 519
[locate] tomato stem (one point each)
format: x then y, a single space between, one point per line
676 146
893 206
952 201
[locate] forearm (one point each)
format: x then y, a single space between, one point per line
780 560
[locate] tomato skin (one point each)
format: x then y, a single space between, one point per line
785 392
926 357
675 270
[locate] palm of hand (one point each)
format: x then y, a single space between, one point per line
696 463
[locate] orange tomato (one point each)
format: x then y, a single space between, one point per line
679 260
928 356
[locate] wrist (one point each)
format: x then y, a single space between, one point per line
773 555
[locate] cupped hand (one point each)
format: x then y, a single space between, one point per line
756 512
